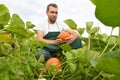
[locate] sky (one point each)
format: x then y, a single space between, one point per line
80 11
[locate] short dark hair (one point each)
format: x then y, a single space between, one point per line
51 4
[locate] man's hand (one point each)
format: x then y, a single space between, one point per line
58 41
67 39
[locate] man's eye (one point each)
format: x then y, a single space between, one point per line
53 12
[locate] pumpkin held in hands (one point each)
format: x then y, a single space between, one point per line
63 35
54 61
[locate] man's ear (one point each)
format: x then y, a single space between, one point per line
46 13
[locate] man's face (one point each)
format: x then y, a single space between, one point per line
52 14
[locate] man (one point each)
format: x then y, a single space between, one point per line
49 30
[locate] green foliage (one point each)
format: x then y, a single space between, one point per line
81 30
4 15
88 26
17 48
17 27
98 59
106 62
65 47
71 23
91 30
107 11
18 66
5 37
94 2
109 63
29 25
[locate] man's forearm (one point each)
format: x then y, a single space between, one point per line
74 35
47 41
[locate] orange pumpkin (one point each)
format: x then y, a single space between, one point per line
54 61
63 35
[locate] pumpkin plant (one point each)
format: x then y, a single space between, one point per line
107 11
18 50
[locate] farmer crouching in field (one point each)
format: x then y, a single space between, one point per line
49 30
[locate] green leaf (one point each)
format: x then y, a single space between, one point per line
17 21
114 77
68 55
84 56
5 48
94 30
1 26
4 15
110 62
71 24
81 30
72 67
17 26
3 9
89 26
113 40
80 55
37 43
29 25
93 62
94 1
90 55
41 59
108 12
65 47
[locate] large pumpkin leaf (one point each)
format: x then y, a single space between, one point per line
94 2
114 77
109 63
4 15
108 12
65 47
17 26
71 23
17 21
83 55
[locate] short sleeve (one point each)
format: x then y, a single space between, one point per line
62 26
65 26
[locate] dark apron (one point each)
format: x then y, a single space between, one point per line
55 48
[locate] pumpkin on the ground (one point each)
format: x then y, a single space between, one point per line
54 61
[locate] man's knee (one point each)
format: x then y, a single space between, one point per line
45 53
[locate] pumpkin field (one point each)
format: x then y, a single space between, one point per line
97 59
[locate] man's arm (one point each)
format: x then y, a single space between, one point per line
40 35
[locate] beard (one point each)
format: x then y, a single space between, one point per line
52 20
